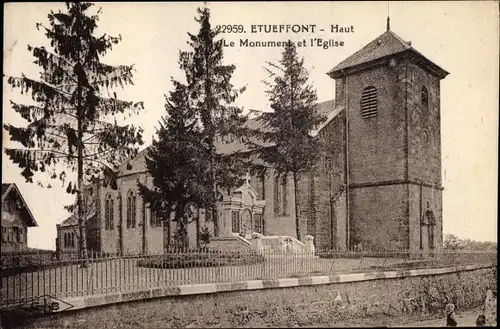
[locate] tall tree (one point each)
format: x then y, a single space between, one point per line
213 96
70 124
178 161
287 129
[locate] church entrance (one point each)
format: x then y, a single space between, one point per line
430 221
431 236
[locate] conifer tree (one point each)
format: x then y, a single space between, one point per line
290 148
178 162
213 97
69 129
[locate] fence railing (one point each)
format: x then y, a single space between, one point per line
32 275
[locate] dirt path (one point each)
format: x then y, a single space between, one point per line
465 319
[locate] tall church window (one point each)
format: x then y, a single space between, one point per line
258 224
276 195
430 235
369 102
236 222
284 195
155 219
424 95
108 212
69 240
131 209
261 189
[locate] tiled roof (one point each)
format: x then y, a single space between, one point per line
70 221
386 44
138 164
389 43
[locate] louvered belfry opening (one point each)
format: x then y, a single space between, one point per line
369 102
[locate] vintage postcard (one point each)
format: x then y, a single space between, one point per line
249 164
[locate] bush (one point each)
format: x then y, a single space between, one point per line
362 254
201 259
405 266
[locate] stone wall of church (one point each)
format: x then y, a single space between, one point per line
424 137
422 199
379 218
132 236
424 157
109 235
402 142
307 224
276 222
376 145
328 183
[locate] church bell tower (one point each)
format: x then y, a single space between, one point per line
391 95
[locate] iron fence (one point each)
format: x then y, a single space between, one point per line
32 275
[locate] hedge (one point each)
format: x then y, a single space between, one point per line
201 259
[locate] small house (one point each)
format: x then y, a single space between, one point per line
16 218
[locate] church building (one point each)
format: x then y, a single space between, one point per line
378 187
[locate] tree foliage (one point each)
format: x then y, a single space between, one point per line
290 147
178 162
213 95
69 125
187 168
453 243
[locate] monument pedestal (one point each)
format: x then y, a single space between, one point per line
239 214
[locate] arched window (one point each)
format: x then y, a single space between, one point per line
369 102
284 196
69 240
155 218
235 221
261 188
424 97
276 195
258 224
108 212
131 209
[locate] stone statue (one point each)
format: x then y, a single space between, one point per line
257 242
289 247
309 245
283 245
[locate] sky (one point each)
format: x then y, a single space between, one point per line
461 37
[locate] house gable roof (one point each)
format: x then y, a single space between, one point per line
8 188
387 44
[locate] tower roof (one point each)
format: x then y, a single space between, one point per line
387 44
